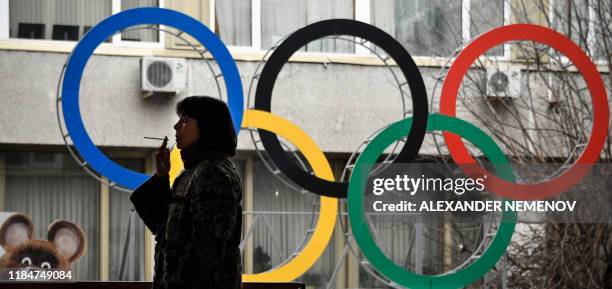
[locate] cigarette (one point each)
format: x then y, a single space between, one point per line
149 137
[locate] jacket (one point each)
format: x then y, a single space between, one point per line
197 226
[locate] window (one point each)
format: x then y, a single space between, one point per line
279 18
430 28
69 20
275 19
281 218
437 27
572 19
585 23
601 12
423 244
126 233
56 20
236 32
425 27
51 186
141 35
484 16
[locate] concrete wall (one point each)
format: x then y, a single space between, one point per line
338 105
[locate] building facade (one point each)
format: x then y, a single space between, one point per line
336 90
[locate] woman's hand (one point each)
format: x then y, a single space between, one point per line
162 160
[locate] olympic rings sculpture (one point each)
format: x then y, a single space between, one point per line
301 37
360 227
85 48
595 85
323 184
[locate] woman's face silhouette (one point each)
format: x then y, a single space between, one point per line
187 131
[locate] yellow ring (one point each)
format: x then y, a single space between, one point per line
328 209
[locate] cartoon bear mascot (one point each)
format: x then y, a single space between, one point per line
65 244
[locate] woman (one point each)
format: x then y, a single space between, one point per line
197 223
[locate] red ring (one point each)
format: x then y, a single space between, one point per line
589 156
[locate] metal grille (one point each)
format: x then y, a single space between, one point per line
159 74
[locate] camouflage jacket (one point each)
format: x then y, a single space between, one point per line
197 225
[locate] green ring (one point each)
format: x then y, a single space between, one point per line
360 228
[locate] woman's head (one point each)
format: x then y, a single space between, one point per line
206 123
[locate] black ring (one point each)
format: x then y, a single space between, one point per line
300 38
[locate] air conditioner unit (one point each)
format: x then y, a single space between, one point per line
503 83
158 74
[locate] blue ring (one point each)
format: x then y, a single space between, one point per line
85 48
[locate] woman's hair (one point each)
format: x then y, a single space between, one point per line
214 122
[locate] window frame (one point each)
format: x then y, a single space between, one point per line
103 206
361 55
4 22
590 37
466 28
116 41
361 11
